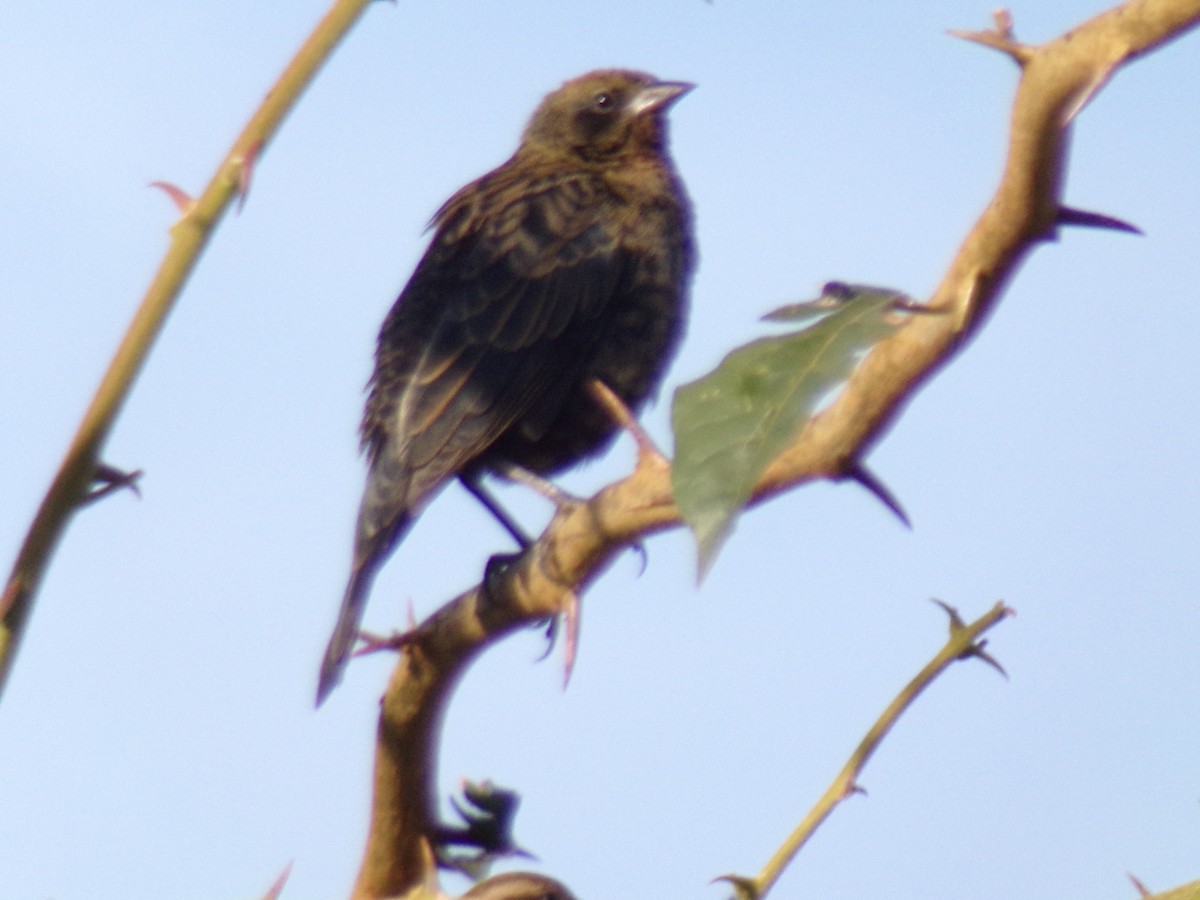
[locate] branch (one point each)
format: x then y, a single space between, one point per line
963 643
189 236
1057 80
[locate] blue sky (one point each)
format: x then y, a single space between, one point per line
158 736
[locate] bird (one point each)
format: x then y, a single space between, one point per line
570 262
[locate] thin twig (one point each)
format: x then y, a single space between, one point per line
962 644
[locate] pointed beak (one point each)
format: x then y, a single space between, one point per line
657 97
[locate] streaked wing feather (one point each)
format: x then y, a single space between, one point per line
501 318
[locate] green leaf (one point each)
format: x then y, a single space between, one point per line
731 423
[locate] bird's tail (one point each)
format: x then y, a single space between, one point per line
345 633
384 517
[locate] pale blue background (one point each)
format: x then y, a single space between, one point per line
157 738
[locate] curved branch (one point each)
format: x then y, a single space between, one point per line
1057 80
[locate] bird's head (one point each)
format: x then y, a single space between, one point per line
603 115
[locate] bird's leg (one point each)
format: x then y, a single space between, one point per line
537 484
624 418
496 565
472 481
647 450
568 618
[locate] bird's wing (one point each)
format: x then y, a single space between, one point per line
493 327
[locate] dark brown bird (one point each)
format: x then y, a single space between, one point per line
570 262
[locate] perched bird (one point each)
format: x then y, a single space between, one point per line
570 262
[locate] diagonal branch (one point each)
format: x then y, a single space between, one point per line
963 643
1057 79
189 236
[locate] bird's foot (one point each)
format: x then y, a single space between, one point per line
494 572
472 482
539 485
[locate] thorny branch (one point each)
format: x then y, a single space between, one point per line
198 221
1057 80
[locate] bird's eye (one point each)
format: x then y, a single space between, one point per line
603 102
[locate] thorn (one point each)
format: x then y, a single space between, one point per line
858 472
1004 22
855 788
743 888
639 547
182 199
412 616
571 619
1142 890
246 172
1081 217
378 643
956 622
975 650
999 37
111 479
568 619
646 448
277 888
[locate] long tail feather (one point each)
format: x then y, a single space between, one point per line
345 633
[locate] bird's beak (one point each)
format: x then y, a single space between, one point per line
657 97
